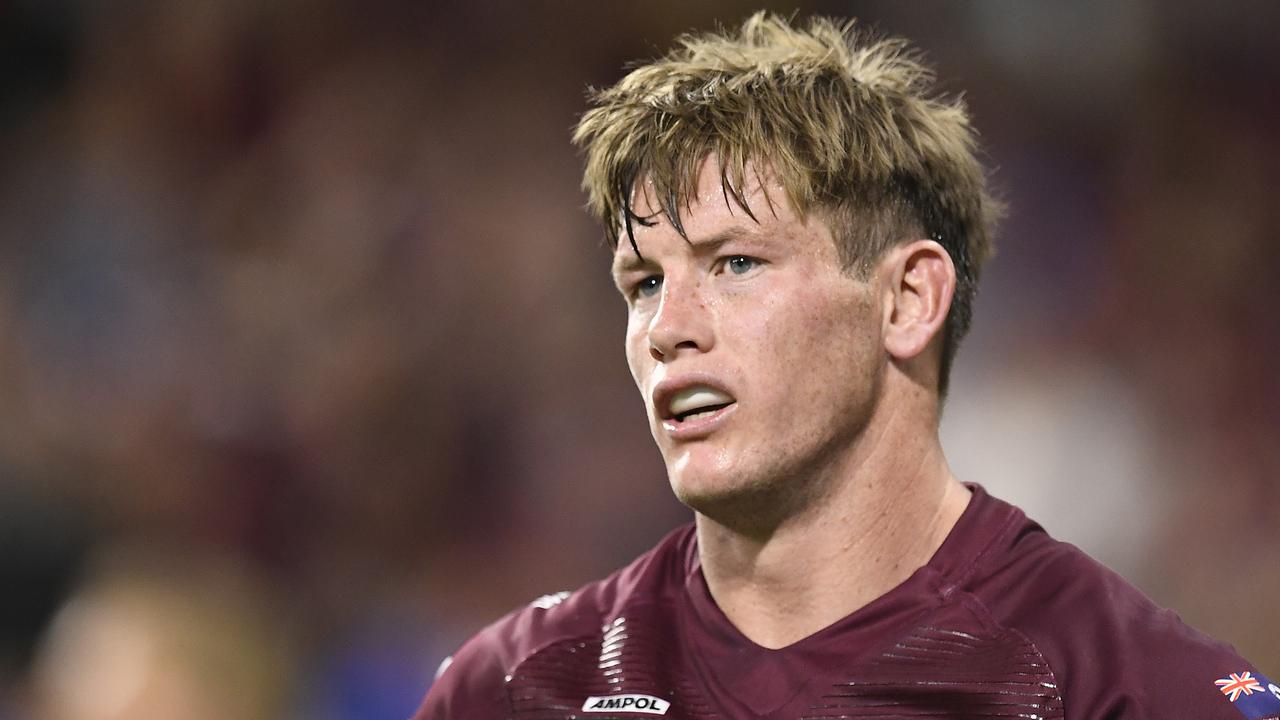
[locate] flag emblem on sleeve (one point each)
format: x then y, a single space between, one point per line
1239 683
1253 694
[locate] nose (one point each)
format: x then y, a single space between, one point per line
683 322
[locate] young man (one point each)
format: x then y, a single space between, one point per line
798 229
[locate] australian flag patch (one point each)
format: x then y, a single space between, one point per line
1255 696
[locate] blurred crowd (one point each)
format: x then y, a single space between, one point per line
310 363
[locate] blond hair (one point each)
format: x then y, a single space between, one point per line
848 125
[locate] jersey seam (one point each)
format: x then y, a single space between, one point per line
975 604
958 581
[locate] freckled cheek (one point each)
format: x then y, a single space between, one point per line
804 343
793 326
637 350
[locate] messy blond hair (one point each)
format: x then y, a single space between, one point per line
848 125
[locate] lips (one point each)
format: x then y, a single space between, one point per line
692 406
697 400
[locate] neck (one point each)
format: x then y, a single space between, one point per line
889 504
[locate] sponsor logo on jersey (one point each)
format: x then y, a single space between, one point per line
1255 696
646 704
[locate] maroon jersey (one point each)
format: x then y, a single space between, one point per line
1003 622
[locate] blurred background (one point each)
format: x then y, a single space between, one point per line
310 365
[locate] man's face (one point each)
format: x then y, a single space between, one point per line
757 355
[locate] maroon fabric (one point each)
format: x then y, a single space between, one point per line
1002 622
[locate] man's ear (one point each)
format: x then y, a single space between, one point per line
920 282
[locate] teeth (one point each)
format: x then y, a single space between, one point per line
696 397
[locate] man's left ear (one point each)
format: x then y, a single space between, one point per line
921 279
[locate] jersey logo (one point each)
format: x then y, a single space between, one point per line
647 704
1236 684
1256 697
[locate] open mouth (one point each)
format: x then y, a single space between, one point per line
694 403
699 412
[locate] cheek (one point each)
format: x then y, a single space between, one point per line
809 322
637 352
815 347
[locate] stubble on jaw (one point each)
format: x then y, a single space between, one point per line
793 482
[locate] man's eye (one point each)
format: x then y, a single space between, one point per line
648 287
741 264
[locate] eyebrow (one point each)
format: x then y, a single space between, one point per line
631 261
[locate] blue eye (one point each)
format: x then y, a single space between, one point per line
649 286
740 264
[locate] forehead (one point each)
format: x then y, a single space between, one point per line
712 210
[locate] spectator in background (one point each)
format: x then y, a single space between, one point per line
152 636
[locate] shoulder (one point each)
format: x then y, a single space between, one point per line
1114 653
471 684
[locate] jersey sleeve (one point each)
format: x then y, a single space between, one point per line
1114 654
1118 656
1234 690
470 685
1158 667
1178 673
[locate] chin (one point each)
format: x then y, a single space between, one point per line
701 472
696 485
701 492
731 499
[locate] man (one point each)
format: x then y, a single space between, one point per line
798 229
